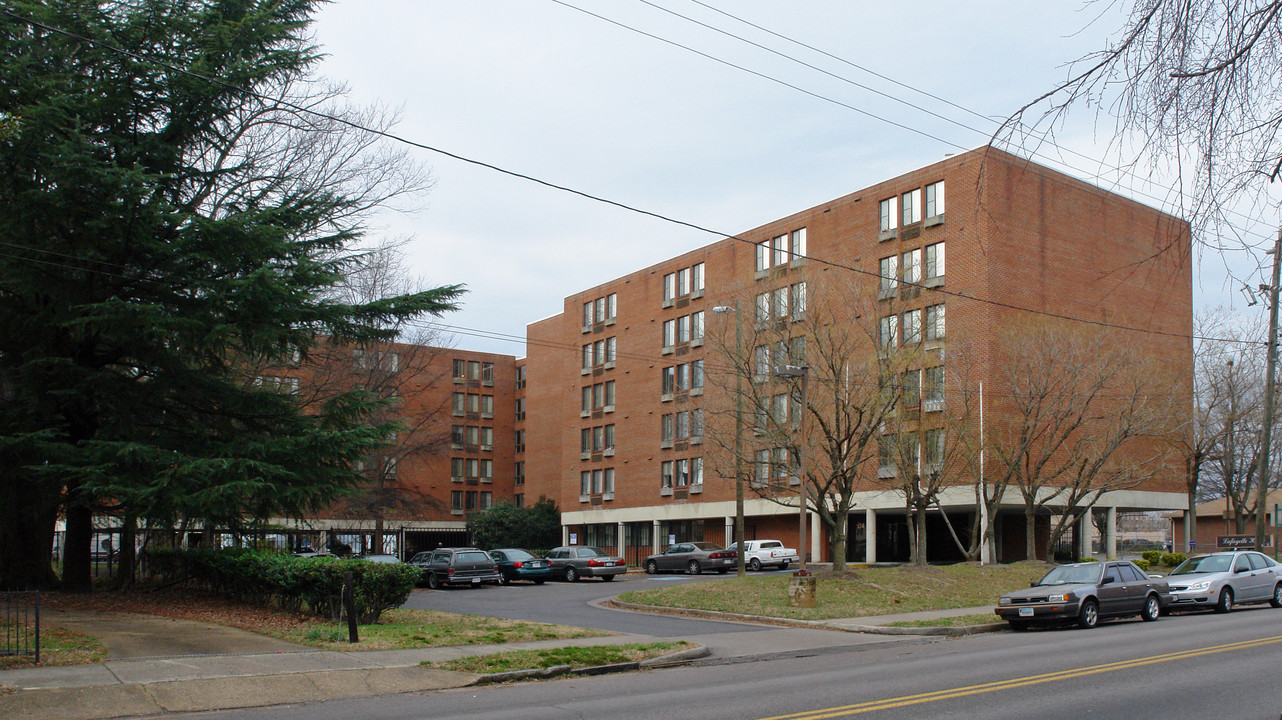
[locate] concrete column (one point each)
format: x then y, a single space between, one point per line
729 531
1111 533
620 535
870 536
816 543
1082 535
565 534
655 540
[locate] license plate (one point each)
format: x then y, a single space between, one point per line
476 581
1025 612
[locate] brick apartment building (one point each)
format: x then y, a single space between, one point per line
621 392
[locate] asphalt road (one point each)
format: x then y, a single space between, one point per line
1188 666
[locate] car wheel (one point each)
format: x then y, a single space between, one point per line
1088 616
433 582
607 578
1152 609
1276 601
693 568
723 571
1225 603
1018 625
651 567
571 575
755 565
539 581
784 566
504 579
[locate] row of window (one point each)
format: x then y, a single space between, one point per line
471 469
596 482
683 283
474 403
598 397
781 411
907 448
908 208
470 436
686 377
909 268
380 359
683 426
597 439
686 472
473 371
601 310
467 501
283 384
781 250
926 323
766 357
772 464
597 354
687 329
782 303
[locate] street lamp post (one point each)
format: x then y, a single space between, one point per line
803 372
738 435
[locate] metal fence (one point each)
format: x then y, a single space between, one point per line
20 624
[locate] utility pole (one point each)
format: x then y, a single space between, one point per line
1266 439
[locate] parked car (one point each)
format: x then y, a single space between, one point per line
388 559
571 563
1085 593
692 557
443 567
1224 579
760 554
518 564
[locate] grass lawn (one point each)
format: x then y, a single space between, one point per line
403 629
58 646
855 593
574 656
956 621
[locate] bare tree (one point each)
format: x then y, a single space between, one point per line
1076 409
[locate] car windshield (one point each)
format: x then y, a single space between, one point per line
1204 564
707 546
1064 574
592 551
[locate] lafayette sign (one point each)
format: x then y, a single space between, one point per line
1234 542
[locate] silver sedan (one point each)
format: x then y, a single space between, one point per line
1223 579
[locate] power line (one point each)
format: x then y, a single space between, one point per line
589 196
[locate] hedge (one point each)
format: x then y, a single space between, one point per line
312 585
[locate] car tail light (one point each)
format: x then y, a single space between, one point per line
449 571
518 564
595 562
723 554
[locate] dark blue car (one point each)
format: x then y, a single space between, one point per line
518 564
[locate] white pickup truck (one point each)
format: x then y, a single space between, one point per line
766 553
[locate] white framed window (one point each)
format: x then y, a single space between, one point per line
611 306
911 204
696 326
911 393
934 322
608 485
798 291
763 307
889 219
933 447
669 287
610 349
683 282
912 327
798 245
696 471
667 428
669 333
888 269
889 326
781 303
682 472
763 255
935 199
761 360
934 261
683 329
587 356
696 277
669 380
933 386
585 482
696 375
911 262
665 475
780 245
683 425
587 314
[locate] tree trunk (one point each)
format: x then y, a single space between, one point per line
911 525
77 548
920 519
125 561
1190 524
378 537
28 513
837 540
1030 532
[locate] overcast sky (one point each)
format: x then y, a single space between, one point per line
540 88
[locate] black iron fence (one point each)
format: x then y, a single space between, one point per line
20 624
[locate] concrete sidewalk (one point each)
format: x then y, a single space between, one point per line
158 665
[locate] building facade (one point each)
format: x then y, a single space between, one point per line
622 389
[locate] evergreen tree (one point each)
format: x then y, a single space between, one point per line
169 216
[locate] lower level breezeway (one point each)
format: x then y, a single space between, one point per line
877 529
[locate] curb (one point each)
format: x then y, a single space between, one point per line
811 624
666 660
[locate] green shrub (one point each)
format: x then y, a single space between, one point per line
1142 564
313 585
1089 559
1173 559
1152 557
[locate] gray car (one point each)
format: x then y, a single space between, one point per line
1085 593
574 562
691 557
1224 579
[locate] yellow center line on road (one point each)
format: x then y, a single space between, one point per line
897 702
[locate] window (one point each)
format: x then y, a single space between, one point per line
683 425
911 206
520 378
683 329
779 410
934 261
473 370
696 425
587 314
885 456
585 441
611 306
669 333
587 356
487 406
696 375
798 249
696 278
797 351
611 346
457 433
912 388
763 256
681 469
458 404
912 266
473 435
780 254
519 440
912 327
780 303
780 467
935 199
597 478
696 327
683 282
487 499
667 429
798 291
520 409
934 322
487 471
608 481
669 287
888 269
487 438
456 501
890 331
609 395
473 403
669 380
683 378
933 386
460 370
585 482
487 373
761 466
665 475
763 307
458 469
888 219
761 360
933 440
598 306
473 467
607 441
